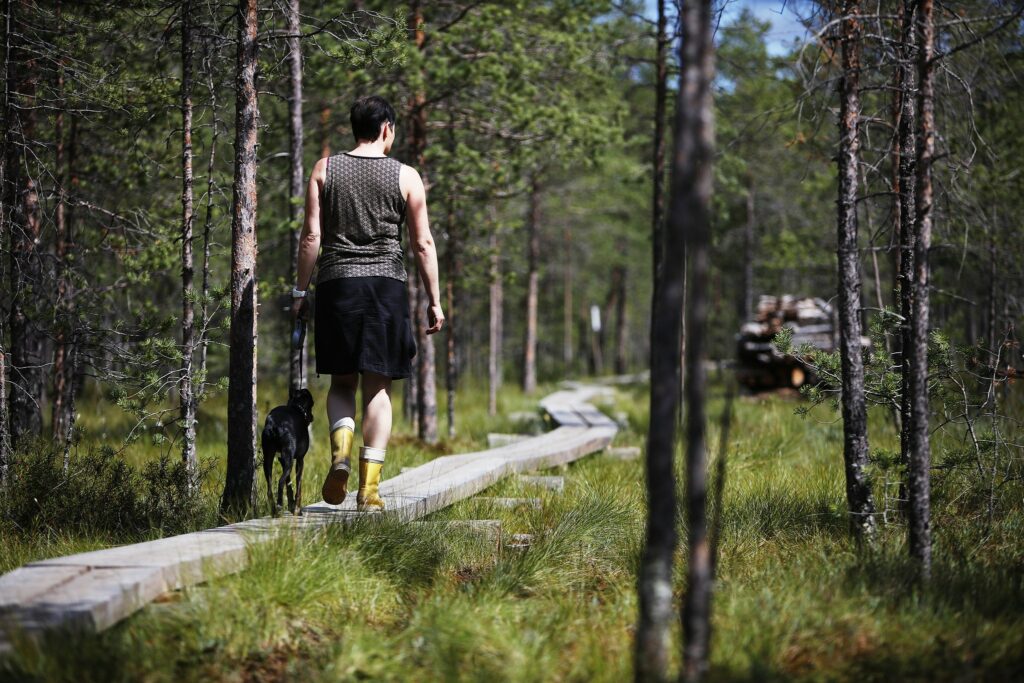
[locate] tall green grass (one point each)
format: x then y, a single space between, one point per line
794 598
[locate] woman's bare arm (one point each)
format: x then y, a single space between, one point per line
423 244
309 238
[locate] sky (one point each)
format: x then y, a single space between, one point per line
785 25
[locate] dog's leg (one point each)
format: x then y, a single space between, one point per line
298 486
268 471
286 478
280 488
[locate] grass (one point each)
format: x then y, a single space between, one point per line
795 598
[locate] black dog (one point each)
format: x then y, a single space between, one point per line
286 435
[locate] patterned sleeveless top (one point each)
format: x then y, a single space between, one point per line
361 215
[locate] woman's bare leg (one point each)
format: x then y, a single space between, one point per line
341 398
376 410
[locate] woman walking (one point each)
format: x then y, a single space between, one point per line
358 200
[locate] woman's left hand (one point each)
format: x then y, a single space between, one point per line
299 308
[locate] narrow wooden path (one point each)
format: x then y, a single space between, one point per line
95 590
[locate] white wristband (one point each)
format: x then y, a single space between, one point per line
298 293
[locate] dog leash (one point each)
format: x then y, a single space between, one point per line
298 335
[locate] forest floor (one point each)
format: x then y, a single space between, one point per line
795 598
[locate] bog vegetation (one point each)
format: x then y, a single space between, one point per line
611 184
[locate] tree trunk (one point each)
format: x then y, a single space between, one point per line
494 364
532 285
186 384
410 392
296 369
239 486
660 98
62 413
655 586
5 235
906 212
746 309
208 226
854 408
325 132
24 226
454 273
920 451
620 323
567 341
426 382
691 216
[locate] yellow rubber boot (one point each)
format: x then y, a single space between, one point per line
336 485
371 461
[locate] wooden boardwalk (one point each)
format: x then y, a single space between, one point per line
94 590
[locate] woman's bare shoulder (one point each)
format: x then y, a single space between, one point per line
408 180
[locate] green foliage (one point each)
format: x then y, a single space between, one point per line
99 494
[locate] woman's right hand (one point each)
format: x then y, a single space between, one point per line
435 318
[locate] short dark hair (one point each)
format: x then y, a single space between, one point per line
367 114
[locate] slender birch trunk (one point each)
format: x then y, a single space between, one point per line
494 357
746 309
208 224
532 285
920 447
298 356
186 385
567 340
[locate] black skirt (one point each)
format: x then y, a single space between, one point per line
362 324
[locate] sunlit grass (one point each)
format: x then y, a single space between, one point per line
795 599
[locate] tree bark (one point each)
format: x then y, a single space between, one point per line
62 412
660 98
747 295
186 385
5 236
410 395
494 360
655 589
426 364
567 341
906 216
454 274
532 285
208 226
296 369
920 450
26 377
854 406
620 323
691 215
239 486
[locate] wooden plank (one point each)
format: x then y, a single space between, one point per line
495 439
96 589
550 483
510 503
